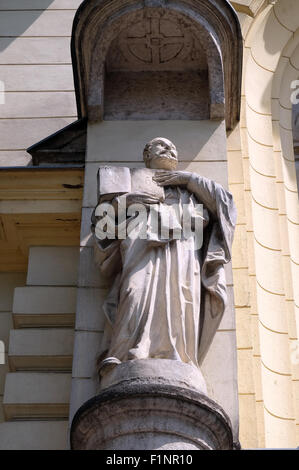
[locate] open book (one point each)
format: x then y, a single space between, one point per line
117 180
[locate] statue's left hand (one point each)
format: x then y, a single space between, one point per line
172 178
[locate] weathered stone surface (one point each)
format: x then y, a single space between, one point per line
157 277
138 95
214 27
165 371
148 415
157 68
157 41
150 356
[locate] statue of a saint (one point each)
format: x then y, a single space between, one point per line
167 299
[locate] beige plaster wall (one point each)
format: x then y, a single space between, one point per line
8 282
35 68
37 325
265 188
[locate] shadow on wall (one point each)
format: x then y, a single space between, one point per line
17 17
195 140
19 23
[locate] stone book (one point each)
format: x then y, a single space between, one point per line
115 180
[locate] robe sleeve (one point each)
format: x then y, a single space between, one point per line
108 258
106 253
216 252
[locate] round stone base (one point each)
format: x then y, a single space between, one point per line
142 415
164 371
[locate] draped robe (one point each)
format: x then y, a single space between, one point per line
167 300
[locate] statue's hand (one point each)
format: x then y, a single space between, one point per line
172 178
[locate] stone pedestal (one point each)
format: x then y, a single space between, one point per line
140 409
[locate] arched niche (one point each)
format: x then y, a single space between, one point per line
188 53
157 68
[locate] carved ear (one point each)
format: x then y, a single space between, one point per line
146 154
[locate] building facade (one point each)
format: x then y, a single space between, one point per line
55 105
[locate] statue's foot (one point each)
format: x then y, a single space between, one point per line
107 365
136 353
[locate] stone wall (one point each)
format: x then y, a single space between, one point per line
202 149
35 67
36 379
265 260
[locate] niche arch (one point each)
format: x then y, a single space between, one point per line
213 23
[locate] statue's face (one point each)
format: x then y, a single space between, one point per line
161 153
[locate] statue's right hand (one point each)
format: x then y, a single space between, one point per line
172 178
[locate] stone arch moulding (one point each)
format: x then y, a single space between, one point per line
97 23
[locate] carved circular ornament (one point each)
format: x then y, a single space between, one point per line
155 41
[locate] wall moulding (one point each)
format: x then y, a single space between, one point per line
50 212
249 7
44 184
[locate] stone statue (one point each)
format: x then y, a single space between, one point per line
166 299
